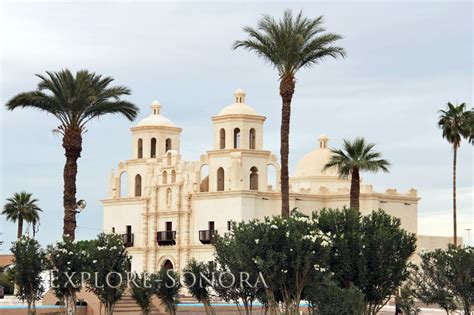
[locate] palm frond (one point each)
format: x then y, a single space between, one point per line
357 154
291 43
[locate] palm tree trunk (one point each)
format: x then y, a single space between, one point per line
287 89
454 195
72 144
355 189
20 226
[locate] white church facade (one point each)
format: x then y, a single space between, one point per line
171 207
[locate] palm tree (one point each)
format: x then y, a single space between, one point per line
355 157
456 123
22 208
74 101
288 45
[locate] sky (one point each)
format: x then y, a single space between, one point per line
405 61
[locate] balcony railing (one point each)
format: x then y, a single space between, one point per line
166 237
128 239
207 236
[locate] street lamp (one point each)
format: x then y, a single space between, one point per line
80 205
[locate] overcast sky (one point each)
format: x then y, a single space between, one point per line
405 61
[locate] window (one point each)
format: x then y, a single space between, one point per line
169 226
254 178
211 225
236 138
165 177
113 229
129 229
220 179
204 179
168 145
222 139
138 185
272 177
153 148
140 148
123 189
252 139
173 176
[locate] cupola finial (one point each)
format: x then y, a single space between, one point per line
239 95
155 107
323 141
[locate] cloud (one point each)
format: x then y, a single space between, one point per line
402 66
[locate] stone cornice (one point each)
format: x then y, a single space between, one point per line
244 152
126 200
155 128
233 117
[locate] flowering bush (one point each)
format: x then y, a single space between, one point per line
287 252
29 263
68 261
109 264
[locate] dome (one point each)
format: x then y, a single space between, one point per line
312 164
155 119
238 107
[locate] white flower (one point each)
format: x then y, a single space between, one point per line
291 249
287 234
273 226
68 262
256 241
94 261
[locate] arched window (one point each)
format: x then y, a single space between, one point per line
165 177
168 197
254 178
252 139
168 158
173 176
220 179
272 177
168 264
168 145
236 138
140 148
138 185
204 179
123 189
153 148
222 139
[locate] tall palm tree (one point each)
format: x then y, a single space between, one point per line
356 156
22 208
456 123
74 100
292 43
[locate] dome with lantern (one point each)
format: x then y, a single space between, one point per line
239 107
156 119
312 164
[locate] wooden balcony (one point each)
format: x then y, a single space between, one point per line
165 238
207 236
128 239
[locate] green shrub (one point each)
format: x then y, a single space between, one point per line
327 298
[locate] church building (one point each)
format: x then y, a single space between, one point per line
168 209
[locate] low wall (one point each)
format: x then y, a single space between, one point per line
42 309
